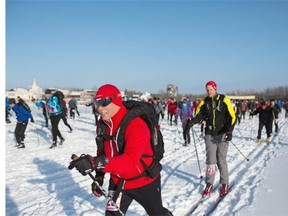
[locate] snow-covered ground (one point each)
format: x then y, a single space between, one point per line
39 183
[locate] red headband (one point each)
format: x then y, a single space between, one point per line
213 84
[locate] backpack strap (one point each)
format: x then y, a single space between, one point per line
220 102
102 136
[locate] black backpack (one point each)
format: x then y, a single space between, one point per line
24 104
147 112
60 96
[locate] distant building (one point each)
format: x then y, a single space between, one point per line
239 97
172 90
19 92
34 91
135 97
145 96
87 96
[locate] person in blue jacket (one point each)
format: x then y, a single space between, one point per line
22 116
8 108
55 113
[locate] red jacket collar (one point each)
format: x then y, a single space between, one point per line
117 118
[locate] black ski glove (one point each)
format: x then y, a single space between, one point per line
228 136
86 163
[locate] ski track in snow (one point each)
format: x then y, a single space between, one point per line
39 183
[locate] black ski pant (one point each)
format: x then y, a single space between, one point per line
72 113
77 112
7 115
276 127
186 133
64 118
158 118
20 131
171 118
148 196
238 118
46 117
268 127
202 128
243 114
55 130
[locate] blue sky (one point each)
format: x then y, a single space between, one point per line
144 45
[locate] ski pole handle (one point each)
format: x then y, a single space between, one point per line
74 157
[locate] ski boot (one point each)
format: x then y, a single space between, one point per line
54 145
207 191
224 190
61 141
21 146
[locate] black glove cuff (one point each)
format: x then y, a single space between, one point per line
101 161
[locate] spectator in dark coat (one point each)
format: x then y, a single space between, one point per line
73 108
275 111
265 119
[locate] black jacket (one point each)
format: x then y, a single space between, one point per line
265 114
218 114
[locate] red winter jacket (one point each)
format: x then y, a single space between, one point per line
172 108
137 143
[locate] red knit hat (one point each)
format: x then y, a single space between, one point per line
213 84
110 91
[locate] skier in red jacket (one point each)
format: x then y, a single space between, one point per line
127 181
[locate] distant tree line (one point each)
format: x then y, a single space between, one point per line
278 93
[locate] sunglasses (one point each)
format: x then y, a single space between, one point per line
103 102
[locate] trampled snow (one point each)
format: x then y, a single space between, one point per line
38 181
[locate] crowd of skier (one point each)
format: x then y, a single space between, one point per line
216 113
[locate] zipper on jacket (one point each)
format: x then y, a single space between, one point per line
214 100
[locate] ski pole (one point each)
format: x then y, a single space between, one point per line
239 151
201 176
103 191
